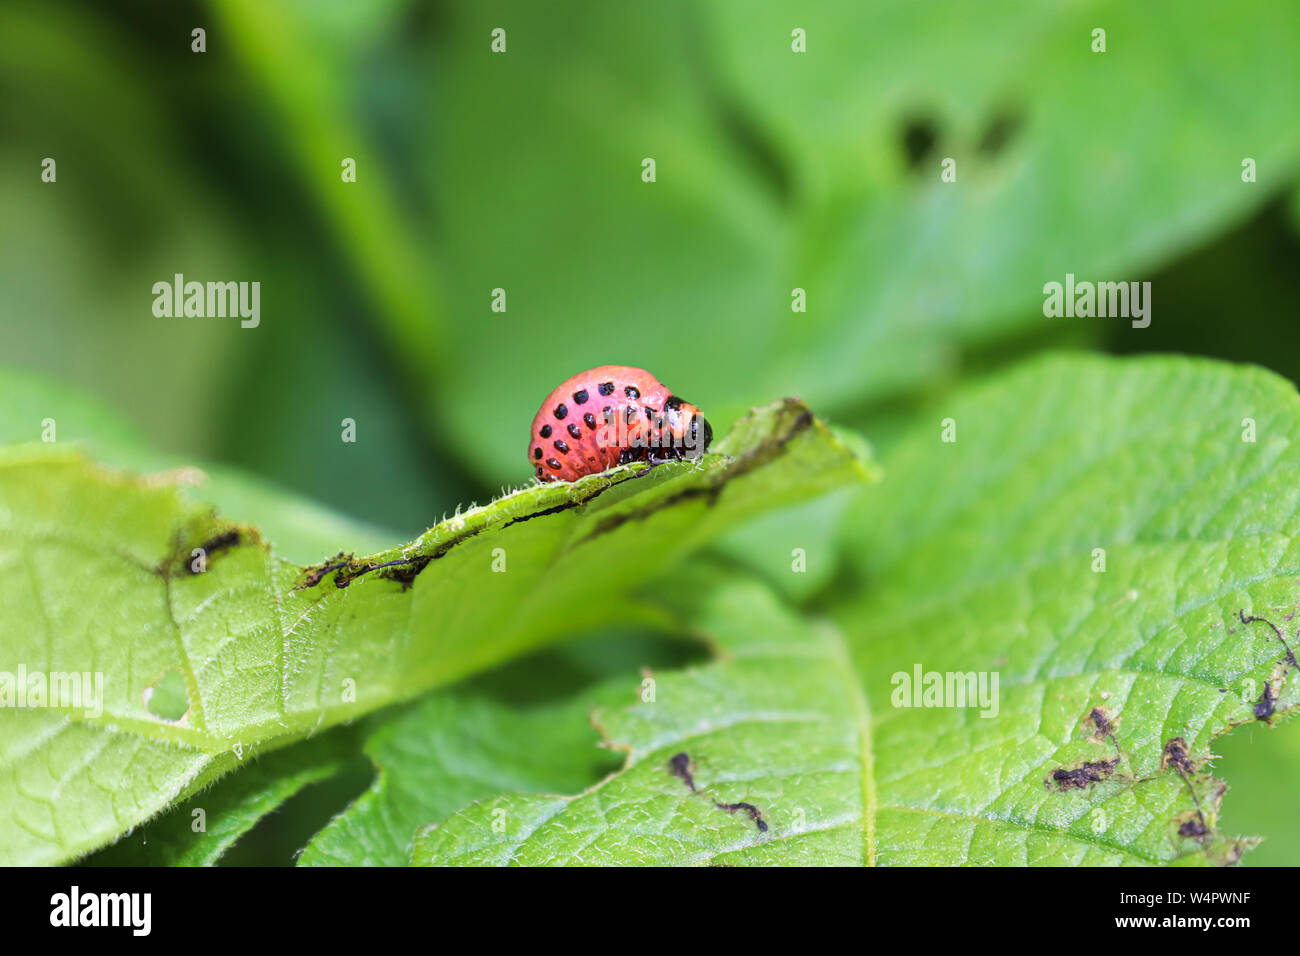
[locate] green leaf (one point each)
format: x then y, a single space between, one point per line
779 726
199 831
977 557
520 727
524 728
88 88
98 576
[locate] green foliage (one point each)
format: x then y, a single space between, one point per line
124 575
230 690
778 170
994 568
992 571
779 726
200 830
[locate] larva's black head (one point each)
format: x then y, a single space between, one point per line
688 432
701 433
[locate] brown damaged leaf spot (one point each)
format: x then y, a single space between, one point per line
314 574
1267 703
680 766
213 546
1089 772
1083 776
346 568
1104 724
1266 706
1175 755
1277 631
1102 721
1195 824
1198 824
749 808
195 547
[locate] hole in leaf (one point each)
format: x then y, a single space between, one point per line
919 138
168 698
1001 129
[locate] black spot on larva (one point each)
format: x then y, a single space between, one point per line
649 414
605 388
590 419
573 429
561 446
539 471
631 391
545 432
561 410
918 140
537 451
553 464
580 397
672 403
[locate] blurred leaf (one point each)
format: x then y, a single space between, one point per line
104 561
155 178
126 211
778 170
1232 299
312 83
796 549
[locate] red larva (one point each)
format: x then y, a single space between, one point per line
610 416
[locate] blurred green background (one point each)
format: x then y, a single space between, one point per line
522 171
